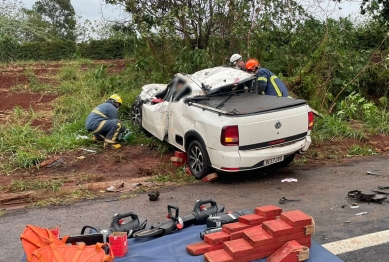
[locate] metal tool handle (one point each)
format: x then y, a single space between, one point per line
200 203
115 220
176 209
90 227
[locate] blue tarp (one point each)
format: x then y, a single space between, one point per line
172 248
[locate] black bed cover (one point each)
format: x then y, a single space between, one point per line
248 103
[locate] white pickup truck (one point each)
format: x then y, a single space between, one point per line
218 118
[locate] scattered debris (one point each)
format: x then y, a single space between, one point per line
343 206
278 187
88 150
372 173
210 177
111 189
383 187
112 200
48 162
289 180
283 200
367 197
78 137
136 184
361 214
56 163
354 207
81 157
347 222
153 196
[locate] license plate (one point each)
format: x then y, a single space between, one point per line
271 161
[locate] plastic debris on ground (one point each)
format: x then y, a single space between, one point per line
289 180
88 150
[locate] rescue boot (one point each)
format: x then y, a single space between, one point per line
97 139
111 144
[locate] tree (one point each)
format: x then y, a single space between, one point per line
20 23
61 16
378 9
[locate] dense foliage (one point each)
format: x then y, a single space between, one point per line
321 59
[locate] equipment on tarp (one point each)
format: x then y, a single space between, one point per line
197 217
119 225
219 220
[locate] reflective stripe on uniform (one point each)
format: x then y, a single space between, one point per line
99 127
99 113
117 132
272 78
261 78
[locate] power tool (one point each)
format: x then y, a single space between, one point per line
119 225
197 217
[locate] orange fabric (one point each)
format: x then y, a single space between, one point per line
70 253
40 245
35 237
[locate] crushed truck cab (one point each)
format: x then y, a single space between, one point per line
218 118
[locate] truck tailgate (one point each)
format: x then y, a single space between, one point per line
272 128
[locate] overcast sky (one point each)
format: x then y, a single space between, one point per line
89 9
94 9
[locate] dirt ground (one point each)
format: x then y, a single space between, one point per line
44 73
127 170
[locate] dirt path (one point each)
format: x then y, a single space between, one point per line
322 191
16 80
82 170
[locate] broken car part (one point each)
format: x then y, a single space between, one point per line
283 200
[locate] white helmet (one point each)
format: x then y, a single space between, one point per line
235 58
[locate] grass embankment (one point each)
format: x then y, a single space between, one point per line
80 85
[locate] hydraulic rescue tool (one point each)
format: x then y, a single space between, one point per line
216 222
175 222
119 225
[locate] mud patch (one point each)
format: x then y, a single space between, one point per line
92 172
9 100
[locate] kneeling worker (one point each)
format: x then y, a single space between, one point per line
104 124
267 82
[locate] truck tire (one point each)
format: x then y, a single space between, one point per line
289 159
136 114
198 160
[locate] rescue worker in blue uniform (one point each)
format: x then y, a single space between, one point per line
104 124
267 82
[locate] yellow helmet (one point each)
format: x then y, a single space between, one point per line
116 98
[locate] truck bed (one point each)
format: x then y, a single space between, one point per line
248 103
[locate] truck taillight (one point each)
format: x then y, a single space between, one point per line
310 120
230 136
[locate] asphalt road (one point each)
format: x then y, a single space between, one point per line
322 191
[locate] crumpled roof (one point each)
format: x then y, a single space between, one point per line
218 76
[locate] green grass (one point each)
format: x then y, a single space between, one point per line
357 150
81 89
22 185
331 127
164 175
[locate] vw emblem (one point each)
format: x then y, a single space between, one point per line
278 125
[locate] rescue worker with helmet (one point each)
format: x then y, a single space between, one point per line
268 83
237 62
104 124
